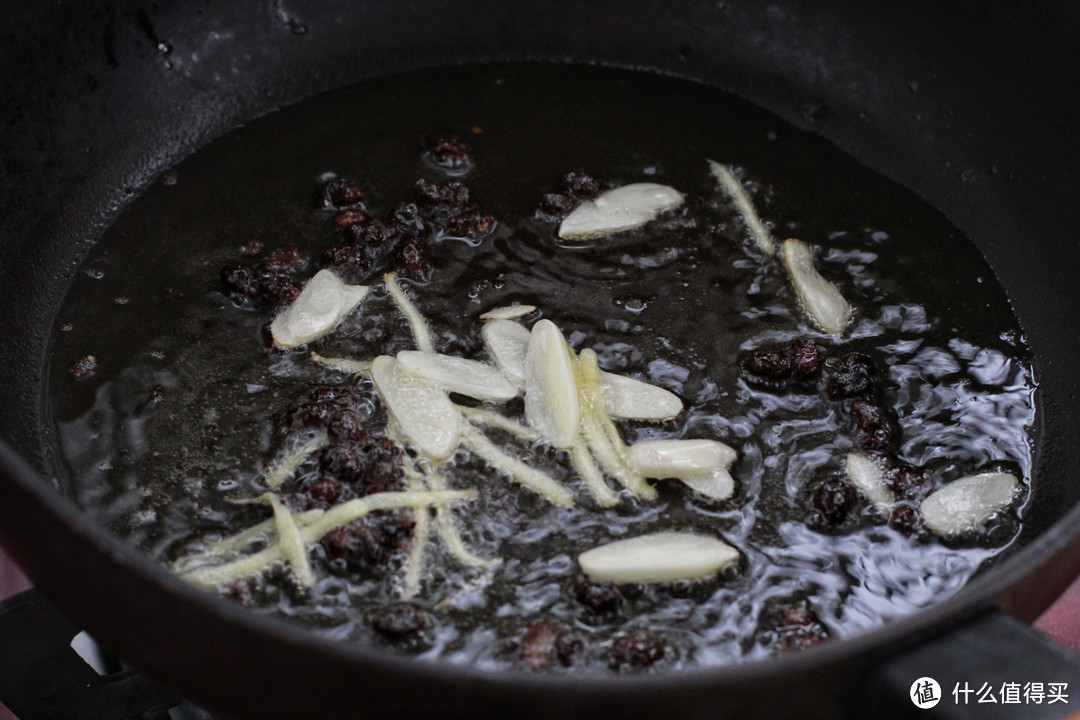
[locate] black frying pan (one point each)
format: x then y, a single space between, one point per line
974 106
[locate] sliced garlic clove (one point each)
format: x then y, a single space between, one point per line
551 393
508 312
820 299
459 375
507 342
422 409
658 558
629 399
703 465
717 485
742 200
623 208
868 477
323 303
965 503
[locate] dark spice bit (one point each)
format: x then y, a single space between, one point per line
322 405
280 289
635 651
400 622
345 426
446 151
907 482
363 465
336 543
602 598
339 193
807 359
849 376
554 207
352 216
576 186
569 649
269 281
411 259
407 219
384 473
350 261
581 185
343 462
767 367
240 281
238 591
84 367
832 500
251 247
796 627
907 519
371 541
281 260
308 415
477 287
325 492
469 223
801 360
872 428
383 535
371 233
449 197
329 394
544 644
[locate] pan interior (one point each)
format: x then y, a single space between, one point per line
180 406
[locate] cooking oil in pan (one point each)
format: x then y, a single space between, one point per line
181 408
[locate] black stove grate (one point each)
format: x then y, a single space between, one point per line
43 677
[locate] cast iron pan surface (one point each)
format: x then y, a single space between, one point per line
973 107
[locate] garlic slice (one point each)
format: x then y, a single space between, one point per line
551 392
965 503
323 303
701 464
507 342
628 399
820 299
658 558
421 408
508 312
742 200
455 374
867 476
623 208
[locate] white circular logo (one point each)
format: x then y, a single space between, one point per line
925 693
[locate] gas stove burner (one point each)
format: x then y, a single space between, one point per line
50 670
